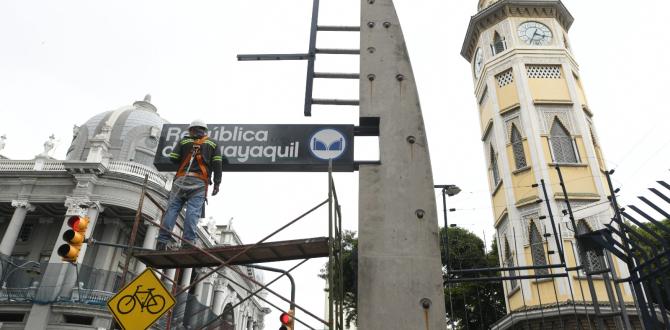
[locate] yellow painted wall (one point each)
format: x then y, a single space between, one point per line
522 180
546 287
515 299
578 178
579 284
499 203
549 90
580 92
508 97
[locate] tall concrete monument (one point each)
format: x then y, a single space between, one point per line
399 279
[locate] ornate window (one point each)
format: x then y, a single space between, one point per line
591 261
537 249
499 44
495 174
544 71
517 147
562 145
505 78
509 262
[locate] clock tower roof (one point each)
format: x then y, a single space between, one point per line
493 11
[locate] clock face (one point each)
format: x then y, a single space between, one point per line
535 33
479 62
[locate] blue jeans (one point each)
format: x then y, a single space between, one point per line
193 195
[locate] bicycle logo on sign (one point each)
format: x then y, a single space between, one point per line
152 303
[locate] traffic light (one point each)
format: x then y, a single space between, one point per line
74 237
286 320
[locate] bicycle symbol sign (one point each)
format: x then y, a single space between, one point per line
141 302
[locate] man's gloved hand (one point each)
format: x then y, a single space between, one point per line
215 190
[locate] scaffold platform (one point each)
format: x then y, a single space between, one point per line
258 253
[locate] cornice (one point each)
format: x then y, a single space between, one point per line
512 8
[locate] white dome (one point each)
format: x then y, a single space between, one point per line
132 132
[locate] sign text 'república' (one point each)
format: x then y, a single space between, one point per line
269 148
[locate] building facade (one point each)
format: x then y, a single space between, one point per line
534 115
101 177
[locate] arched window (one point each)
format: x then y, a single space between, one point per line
591 261
517 147
494 167
228 318
499 44
562 145
537 249
509 262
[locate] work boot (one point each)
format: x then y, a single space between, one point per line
186 246
164 246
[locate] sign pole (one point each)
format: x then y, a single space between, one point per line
399 273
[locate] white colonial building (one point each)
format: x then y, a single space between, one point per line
102 176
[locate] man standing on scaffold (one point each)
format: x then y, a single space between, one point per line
198 159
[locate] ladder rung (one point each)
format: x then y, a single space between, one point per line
336 75
338 28
272 57
338 51
335 102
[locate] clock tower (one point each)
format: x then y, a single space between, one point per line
534 118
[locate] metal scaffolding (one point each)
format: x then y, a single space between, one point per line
215 259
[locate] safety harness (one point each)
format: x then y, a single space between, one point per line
186 163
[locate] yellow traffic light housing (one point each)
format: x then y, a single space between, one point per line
74 237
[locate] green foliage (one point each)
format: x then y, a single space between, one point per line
650 245
349 274
477 304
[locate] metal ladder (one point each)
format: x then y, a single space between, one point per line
310 56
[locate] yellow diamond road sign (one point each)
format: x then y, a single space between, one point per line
140 303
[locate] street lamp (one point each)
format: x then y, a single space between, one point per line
448 190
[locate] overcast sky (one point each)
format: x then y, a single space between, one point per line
62 62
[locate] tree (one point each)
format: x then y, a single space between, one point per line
475 305
349 274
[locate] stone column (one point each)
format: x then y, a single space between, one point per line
207 292
105 256
149 243
182 300
170 273
219 297
22 207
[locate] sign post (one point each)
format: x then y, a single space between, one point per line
141 302
269 148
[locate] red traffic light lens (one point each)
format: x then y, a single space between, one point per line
73 221
284 318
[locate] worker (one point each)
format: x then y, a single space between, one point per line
199 160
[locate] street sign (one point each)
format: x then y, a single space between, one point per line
141 302
269 148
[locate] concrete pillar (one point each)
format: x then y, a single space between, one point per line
399 273
182 300
21 209
149 243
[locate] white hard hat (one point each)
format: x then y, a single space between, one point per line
198 123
